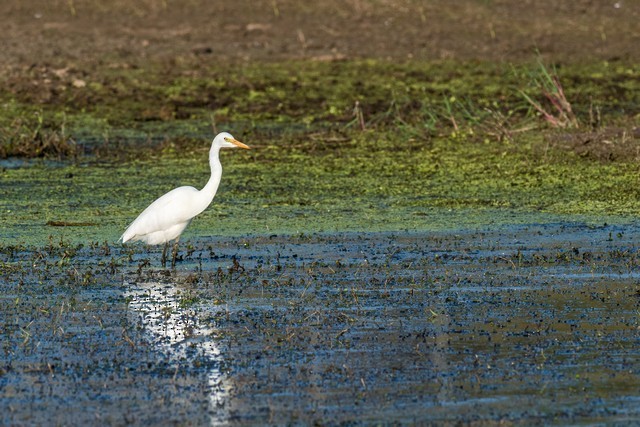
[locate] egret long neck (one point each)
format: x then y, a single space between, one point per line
211 188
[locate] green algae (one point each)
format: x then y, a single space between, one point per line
372 182
446 145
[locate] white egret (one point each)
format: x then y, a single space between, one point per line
166 218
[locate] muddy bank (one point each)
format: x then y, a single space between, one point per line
527 324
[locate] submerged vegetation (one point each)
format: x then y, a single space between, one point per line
337 145
292 322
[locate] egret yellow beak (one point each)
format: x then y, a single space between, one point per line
238 143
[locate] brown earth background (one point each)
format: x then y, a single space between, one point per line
74 32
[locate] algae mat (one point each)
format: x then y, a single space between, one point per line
516 325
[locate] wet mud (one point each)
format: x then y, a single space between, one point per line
526 324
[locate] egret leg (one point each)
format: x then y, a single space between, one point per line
175 253
164 254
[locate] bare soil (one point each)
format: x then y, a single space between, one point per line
81 31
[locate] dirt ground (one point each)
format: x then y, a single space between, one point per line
79 31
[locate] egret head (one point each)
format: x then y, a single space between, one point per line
226 140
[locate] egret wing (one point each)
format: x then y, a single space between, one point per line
175 207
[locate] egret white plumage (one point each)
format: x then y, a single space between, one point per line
166 218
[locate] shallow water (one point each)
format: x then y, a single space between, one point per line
177 333
528 324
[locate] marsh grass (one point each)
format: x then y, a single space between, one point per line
189 102
36 134
557 111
